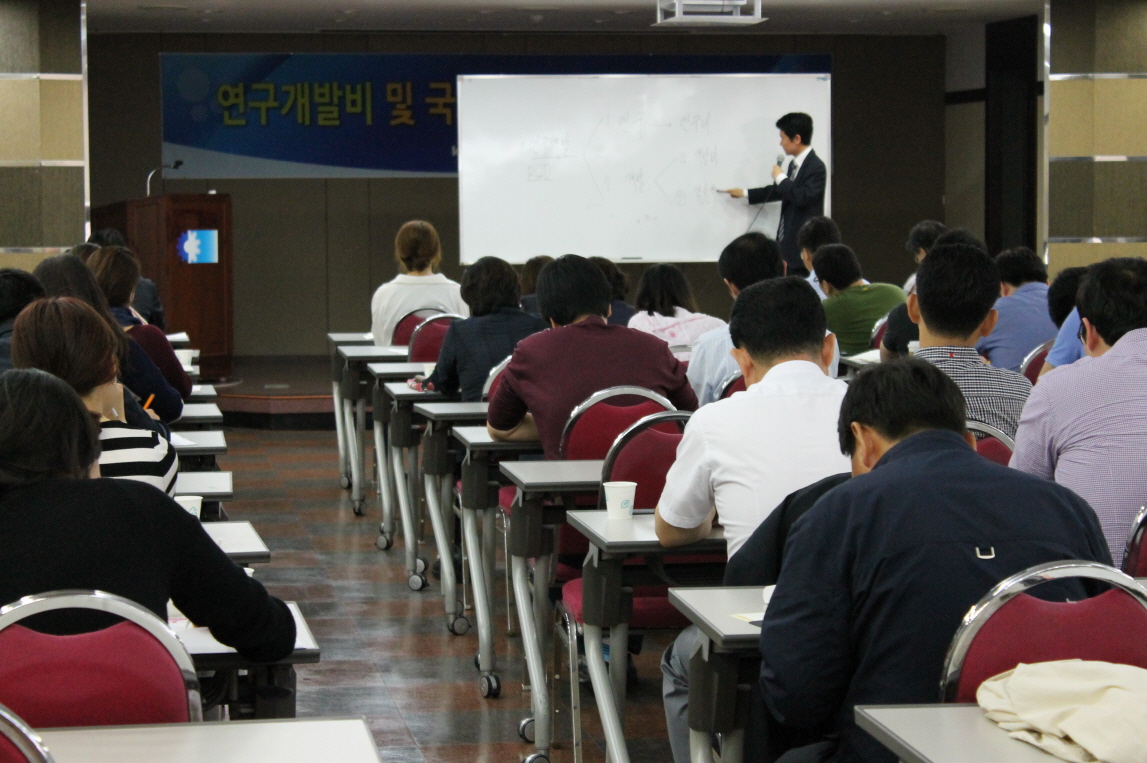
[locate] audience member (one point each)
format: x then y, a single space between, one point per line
68 339
553 371
1061 307
60 530
146 300
1024 323
815 233
475 345
419 253
66 276
1084 424
666 309
956 288
620 310
878 575
739 457
18 288
529 280
921 238
117 273
853 305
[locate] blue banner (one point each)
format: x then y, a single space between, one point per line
361 115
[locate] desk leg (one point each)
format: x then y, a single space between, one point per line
354 453
340 433
619 665
489 550
410 536
488 683
385 487
455 622
531 641
274 691
700 746
603 691
358 487
718 704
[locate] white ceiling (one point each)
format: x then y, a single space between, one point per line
784 16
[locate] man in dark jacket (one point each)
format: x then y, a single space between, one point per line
18 288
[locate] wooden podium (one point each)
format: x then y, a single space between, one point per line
196 296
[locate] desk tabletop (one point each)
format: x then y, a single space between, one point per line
944 734
478 439
402 393
861 359
239 541
209 654
369 353
715 610
203 442
389 371
554 476
452 411
180 339
213 486
202 393
293 740
201 413
635 535
350 337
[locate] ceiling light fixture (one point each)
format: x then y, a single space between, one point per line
708 12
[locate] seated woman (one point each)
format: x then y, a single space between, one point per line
66 276
666 308
69 340
620 311
473 346
117 274
419 252
529 280
63 528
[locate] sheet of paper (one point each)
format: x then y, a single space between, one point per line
177 439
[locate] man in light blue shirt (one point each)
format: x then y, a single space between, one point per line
1024 323
1061 306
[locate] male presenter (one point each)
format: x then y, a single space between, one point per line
800 189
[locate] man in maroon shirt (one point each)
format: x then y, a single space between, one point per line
552 371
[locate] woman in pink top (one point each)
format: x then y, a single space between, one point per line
666 308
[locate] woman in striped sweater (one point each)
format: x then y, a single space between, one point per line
67 338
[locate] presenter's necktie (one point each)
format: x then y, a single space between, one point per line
792 173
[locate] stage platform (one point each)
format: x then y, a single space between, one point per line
278 392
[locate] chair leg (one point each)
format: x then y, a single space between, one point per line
511 631
575 686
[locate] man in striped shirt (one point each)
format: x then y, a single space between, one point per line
956 288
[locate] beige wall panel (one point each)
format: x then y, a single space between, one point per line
1120 199
1071 200
20 120
1071 120
19 32
62 205
61 120
24 260
349 285
1121 109
20 223
1062 256
964 167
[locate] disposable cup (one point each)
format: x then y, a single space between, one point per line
619 499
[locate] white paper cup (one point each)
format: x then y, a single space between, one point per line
428 368
913 347
619 499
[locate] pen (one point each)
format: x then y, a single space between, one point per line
148 403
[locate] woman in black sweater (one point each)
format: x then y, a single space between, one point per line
63 528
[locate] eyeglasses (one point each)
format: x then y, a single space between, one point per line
1082 332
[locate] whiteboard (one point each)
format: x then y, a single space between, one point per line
623 166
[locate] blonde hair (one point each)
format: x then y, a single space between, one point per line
417 247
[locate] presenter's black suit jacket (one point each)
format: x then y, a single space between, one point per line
801 198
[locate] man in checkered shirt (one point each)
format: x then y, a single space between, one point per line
1085 425
956 289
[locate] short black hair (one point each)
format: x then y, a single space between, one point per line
18 289
107 237
618 281
837 264
959 236
749 258
816 232
956 286
1020 265
571 286
1061 294
899 399
1113 297
924 234
796 123
489 285
662 289
782 316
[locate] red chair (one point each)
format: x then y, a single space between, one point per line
732 385
19 743
134 672
594 424
412 320
426 341
494 378
1009 626
1033 363
995 445
1135 557
878 331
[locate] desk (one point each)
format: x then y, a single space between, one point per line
239 541
348 362
199 415
944 734
861 359
202 393
213 486
200 454
337 363
179 340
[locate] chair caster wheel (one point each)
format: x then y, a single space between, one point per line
356 507
537 757
490 686
460 626
382 542
526 732
416 582
421 565
344 482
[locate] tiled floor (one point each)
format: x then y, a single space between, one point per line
386 653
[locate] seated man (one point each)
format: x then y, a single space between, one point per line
878 575
552 371
741 456
1024 323
18 289
1084 423
853 306
955 290
815 233
1061 307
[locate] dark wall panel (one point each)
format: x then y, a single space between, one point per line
20 193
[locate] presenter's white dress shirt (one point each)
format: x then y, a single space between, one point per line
794 166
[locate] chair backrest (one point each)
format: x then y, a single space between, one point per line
594 423
412 320
878 330
426 341
1135 557
494 378
995 446
735 383
133 672
1009 626
19 743
643 454
1033 363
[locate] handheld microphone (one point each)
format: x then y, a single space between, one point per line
780 159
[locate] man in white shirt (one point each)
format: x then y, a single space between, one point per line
741 456
815 233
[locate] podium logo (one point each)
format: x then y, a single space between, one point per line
198 247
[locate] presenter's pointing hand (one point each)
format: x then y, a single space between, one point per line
736 193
